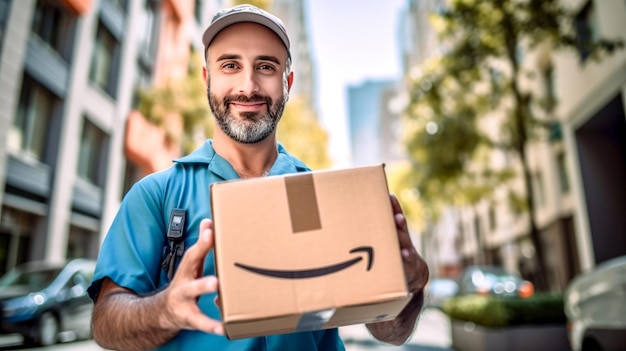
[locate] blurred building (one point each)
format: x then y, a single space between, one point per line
293 15
70 72
592 105
71 139
578 171
373 125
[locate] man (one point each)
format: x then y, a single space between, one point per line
136 306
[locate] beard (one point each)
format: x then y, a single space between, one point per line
253 127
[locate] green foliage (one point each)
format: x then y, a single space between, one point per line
478 76
300 132
497 312
263 4
185 99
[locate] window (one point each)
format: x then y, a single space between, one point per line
54 24
92 154
147 41
492 217
5 7
549 86
148 34
104 60
197 10
17 229
586 30
120 3
563 177
29 131
539 189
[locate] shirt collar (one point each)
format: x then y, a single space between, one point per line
284 164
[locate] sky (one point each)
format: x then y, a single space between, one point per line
351 41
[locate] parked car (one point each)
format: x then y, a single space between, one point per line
43 300
439 290
495 281
595 306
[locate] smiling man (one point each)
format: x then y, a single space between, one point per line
138 305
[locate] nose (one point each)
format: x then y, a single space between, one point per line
248 84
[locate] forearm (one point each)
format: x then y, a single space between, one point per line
124 321
397 331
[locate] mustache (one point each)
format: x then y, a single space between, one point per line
247 99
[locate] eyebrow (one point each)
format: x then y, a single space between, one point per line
258 58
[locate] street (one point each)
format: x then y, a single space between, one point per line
432 334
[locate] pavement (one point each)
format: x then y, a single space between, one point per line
432 334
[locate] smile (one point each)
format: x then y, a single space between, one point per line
314 272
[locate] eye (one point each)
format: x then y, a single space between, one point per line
229 66
266 67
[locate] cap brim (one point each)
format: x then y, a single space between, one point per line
238 17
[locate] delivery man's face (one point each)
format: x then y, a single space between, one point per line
247 82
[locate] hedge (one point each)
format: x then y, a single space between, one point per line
494 312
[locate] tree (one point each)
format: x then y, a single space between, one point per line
482 70
300 132
185 101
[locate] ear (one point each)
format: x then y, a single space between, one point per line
289 81
205 74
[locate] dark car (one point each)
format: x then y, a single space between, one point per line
595 305
42 301
494 281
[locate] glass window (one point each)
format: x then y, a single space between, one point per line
539 189
54 24
16 231
79 244
104 60
120 3
563 177
147 20
5 6
197 10
492 217
92 154
29 131
586 30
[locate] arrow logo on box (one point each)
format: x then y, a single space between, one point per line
314 272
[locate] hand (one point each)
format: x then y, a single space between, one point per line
398 330
415 267
123 320
188 284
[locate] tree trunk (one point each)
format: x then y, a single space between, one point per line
521 112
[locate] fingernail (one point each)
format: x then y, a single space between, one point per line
211 281
219 330
406 253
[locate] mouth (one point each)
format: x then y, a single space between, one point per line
247 106
314 272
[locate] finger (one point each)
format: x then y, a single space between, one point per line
192 263
192 290
203 323
395 204
401 223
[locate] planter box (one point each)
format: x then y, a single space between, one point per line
467 336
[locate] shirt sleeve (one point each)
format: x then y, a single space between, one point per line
132 250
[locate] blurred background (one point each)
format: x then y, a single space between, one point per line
501 123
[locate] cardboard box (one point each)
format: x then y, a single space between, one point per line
306 251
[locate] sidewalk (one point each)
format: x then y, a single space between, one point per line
432 333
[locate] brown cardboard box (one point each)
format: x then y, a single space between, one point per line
306 251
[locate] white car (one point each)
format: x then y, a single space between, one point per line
595 305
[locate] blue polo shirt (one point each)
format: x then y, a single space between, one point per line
131 253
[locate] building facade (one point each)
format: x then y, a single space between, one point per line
72 141
69 73
577 170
